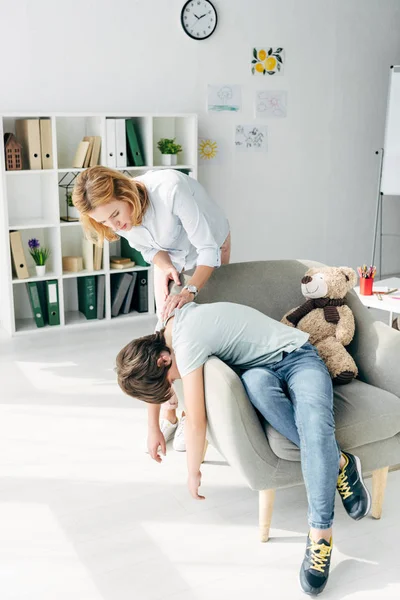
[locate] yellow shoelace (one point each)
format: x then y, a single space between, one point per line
343 485
319 555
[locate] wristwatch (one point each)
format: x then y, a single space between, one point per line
192 289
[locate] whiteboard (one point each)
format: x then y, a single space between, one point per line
390 184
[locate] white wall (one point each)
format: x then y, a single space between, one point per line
313 194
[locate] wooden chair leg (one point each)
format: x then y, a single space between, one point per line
204 451
266 506
379 477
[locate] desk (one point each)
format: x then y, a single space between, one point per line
387 303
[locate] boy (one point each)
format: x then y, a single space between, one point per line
279 364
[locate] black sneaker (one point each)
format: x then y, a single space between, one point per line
314 571
351 487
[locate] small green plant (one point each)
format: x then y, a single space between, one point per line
69 199
39 255
167 146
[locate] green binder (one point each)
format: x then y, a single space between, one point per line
132 142
128 252
36 304
87 297
53 305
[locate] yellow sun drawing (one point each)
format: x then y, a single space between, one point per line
208 149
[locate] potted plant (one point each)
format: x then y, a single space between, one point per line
39 255
72 212
169 151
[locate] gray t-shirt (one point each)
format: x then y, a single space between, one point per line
239 335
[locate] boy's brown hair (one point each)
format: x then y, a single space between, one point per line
139 375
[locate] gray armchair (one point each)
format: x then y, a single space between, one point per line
367 411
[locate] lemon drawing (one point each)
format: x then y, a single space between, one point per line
262 55
259 67
270 63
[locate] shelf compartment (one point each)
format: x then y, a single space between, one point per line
70 132
184 129
9 126
72 313
32 199
24 321
49 237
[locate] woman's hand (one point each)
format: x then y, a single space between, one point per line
176 301
170 273
194 482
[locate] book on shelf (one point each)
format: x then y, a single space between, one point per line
46 143
120 259
97 257
141 294
119 288
28 135
18 255
127 303
100 295
127 265
37 300
95 156
88 152
133 145
53 305
90 139
80 155
87 296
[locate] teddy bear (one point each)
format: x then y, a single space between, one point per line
326 317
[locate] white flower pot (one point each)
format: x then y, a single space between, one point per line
73 212
168 160
40 270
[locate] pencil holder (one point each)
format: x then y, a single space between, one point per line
366 284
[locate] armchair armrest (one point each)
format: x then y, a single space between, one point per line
375 349
233 426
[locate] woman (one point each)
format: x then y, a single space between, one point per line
171 220
285 379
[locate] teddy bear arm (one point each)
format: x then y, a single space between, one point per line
284 318
346 327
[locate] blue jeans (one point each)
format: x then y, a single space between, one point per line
295 396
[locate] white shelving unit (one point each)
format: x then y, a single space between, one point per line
32 202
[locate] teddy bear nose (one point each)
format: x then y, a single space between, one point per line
306 279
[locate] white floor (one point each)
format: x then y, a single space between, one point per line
86 515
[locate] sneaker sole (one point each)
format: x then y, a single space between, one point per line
359 471
316 593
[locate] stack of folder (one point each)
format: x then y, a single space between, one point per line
44 301
88 152
124 293
36 139
123 144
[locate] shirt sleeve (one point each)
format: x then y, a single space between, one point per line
185 207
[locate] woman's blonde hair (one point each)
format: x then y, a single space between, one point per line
100 185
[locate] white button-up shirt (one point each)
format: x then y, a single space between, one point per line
181 220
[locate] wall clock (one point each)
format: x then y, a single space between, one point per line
199 19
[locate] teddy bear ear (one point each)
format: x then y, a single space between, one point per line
350 275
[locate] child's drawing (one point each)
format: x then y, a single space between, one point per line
251 137
271 104
224 98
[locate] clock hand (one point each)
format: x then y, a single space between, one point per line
201 16
196 16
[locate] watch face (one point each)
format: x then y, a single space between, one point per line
199 19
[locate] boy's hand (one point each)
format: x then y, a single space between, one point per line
155 439
194 482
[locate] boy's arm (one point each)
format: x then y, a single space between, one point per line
195 427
